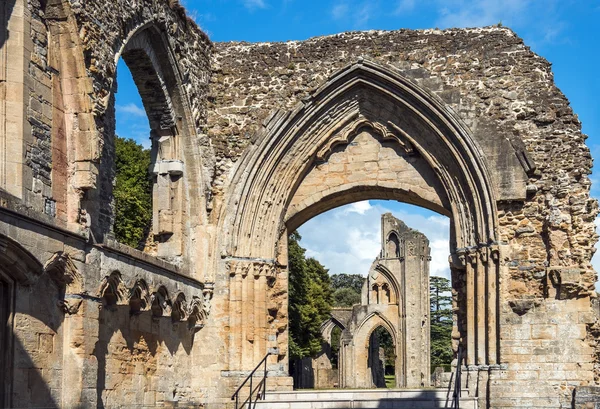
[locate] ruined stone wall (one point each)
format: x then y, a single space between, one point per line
533 149
95 323
58 99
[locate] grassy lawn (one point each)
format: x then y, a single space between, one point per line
390 381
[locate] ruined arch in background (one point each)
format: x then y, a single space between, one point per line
293 172
362 338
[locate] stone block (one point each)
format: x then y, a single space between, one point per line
543 331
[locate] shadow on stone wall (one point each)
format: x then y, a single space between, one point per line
5 13
36 345
129 351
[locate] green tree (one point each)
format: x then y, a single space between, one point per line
345 297
310 300
387 343
441 321
353 281
132 192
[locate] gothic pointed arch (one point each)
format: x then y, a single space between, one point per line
391 279
286 178
291 142
328 326
370 323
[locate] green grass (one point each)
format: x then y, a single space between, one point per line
390 381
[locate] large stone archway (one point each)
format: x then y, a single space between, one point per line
369 133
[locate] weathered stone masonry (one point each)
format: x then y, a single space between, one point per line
249 141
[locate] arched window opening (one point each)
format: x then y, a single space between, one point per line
375 294
133 186
382 359
150 113
393 246
385 290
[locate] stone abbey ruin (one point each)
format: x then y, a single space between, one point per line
395 297
250 141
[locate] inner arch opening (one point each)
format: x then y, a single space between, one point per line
352 242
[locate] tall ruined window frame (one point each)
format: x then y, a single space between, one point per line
393 246
147 58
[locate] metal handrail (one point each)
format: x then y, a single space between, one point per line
261 387
457 379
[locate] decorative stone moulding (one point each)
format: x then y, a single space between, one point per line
193 308
171 167
255 268
358 123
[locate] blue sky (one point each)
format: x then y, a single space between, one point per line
564 32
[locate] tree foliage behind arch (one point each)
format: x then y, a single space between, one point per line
310 300
441 321
132 193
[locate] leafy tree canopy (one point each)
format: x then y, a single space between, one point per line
441 321
132 192
345 297
353 281
310 300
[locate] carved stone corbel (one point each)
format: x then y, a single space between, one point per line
197 314
61 269
179 311
160 303
472 256
483 254
495 253
458 259
207 294
139 297
70 305
112 289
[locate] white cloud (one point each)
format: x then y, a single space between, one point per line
358 13
405 6
131 109
363 14
339 11
254 4
347 239
357 207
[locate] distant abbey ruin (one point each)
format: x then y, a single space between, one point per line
395 297
250 141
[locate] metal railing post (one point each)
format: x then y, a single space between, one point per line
265 381
262 385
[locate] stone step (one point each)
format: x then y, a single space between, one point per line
365 399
